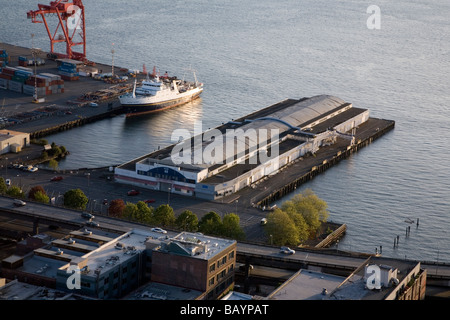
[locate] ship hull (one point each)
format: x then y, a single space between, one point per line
135 106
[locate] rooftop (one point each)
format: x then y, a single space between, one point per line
196 245
114 251
287 115
6 134
16 290
354 287
159 291
307 285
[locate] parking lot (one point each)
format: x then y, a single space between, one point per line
100 187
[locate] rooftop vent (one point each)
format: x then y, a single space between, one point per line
119 246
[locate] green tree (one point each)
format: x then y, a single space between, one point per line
231 228
56 151
281 228
310 207
53 164
40 196
15 191
164 215
139 212
130 211
3 186
302 228
145 213
116 208
210 223
75 198
187 221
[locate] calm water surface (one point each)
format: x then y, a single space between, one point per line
251 54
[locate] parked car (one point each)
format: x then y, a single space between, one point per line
149 200
19 203
287 250
263 221
57 178
8 182
159 230
133 193
87 215
33 169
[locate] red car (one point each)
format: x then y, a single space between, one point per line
133 193
149 200
58 178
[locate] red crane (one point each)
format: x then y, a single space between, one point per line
71 23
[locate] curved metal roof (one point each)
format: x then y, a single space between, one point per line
293 116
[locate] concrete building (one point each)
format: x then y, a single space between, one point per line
398 280
105 265
13 141
160 291
238 154
15 290
197 262
307 285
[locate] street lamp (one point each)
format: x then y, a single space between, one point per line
112 62
168 196
236 205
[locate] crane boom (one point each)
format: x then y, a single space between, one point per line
71 21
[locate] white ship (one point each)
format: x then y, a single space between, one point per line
158 93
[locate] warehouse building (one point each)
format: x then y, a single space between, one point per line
237 154
13 141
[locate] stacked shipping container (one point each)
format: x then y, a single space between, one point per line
21 79
68 70
4 58
23 61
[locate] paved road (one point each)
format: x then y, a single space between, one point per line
98 184
351 262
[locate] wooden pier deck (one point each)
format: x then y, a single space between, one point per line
292 176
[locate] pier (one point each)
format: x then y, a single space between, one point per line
63 110
307 168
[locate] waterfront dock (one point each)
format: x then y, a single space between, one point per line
64 110
70 111
290 177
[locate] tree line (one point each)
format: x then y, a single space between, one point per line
296 221
163 215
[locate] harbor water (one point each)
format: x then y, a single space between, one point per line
252 54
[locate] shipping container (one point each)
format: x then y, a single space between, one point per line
3 83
